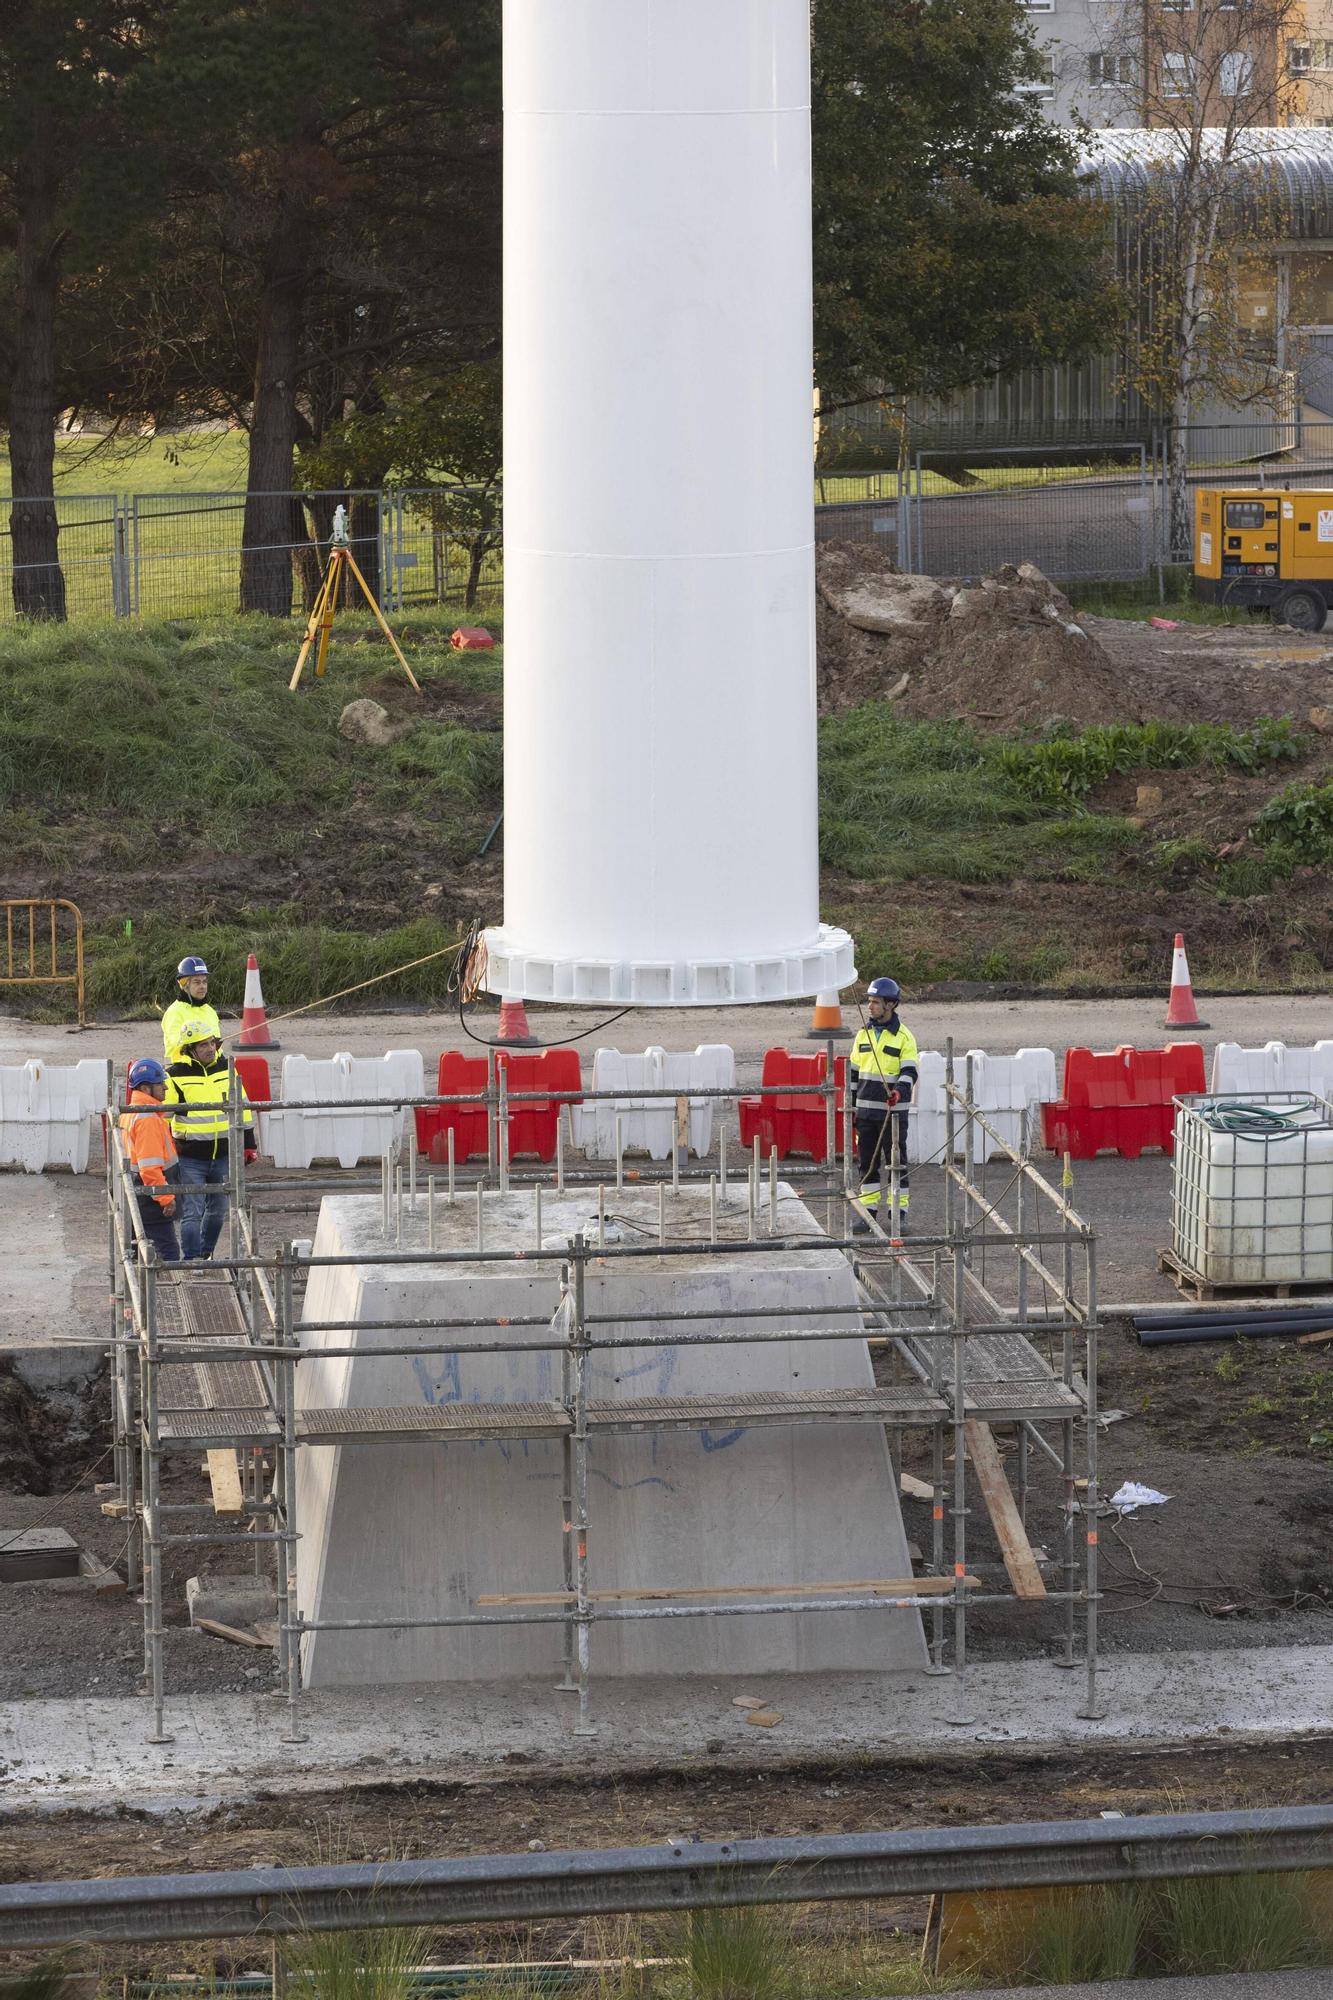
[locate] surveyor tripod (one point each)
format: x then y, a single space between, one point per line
319 625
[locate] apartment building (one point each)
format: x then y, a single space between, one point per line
1118 64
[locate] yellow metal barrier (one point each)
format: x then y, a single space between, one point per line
33 939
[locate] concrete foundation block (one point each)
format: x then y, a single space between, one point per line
414 1531
230 1600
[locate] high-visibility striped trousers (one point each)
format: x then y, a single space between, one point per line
878 1165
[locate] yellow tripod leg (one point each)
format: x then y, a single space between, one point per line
381 620
312 627
330 604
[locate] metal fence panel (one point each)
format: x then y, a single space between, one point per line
89 554
1241 454
447 548
1076 514
185 548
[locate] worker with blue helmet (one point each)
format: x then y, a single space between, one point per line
882 1067
150 1151
189 1018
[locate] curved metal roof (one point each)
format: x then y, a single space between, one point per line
1288 168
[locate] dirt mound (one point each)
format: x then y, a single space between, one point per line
1008 651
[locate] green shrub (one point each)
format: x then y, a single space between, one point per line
1299 821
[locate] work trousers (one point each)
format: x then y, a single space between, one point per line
160 1230
880 1167
203 1205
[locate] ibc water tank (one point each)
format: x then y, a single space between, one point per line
1252 1190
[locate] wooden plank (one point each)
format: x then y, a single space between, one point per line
1319 1338
224 1476
1003 1510
913 1488
236 1633
911 1586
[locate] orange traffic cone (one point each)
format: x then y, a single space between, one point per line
254 1021
826 1021
1181 1011
514 1030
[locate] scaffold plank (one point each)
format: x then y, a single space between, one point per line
462 1421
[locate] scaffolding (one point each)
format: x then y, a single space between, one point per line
205 1358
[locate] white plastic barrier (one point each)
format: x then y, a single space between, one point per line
1007 1089
646 1124
1240 1071
47 1112
292 1137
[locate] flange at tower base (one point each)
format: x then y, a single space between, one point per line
826 962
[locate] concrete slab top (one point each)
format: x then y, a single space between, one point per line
230 1744
628 1218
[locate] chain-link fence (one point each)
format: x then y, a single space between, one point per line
1080 513
1232 455
1083 512
181 555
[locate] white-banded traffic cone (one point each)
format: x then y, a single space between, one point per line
826 1021
1181 1011
514 1030
254 1021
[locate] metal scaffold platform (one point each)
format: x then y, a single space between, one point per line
208 1357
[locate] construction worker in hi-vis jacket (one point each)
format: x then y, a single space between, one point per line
882 1069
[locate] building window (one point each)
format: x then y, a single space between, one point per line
1040 6
1106 71
1177 75
1312 283
1321 55
1235 73
1176 6
1042 85
1299 58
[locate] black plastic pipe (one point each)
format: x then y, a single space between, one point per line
1179 1336
1239 1315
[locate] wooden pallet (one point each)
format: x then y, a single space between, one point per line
1191 1285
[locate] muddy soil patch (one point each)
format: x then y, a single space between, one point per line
353 870
1008 652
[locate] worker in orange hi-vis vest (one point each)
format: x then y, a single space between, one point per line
151 1152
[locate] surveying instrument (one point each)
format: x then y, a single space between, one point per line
319 625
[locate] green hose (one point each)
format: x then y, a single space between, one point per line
1258 1122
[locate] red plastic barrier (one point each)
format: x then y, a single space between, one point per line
253 1072
532 1127
792 1123
457 1076
1121 1102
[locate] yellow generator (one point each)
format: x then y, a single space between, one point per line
1269 549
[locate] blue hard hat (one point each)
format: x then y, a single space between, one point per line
146 1071
885 989
191 968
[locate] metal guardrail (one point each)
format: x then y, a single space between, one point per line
517 1888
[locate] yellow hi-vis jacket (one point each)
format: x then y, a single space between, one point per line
184 1018
200 1126
883 1058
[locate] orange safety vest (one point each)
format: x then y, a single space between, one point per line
150 1147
